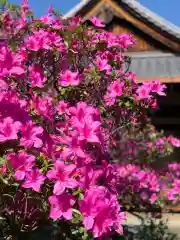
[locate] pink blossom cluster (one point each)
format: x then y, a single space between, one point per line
142 182
64 100
172 178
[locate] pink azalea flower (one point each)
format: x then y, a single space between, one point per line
6 60
30 135
75 21
73 148
61 206
131 76
69 78
58 24
173 193
114 90
56 40
87 177
9 129
43 106
125 40
157 87
36 76
25 5
48 146
89 131
153 198
47 19
50 9
144 196
32 44
97 22
102 64
174 166
82 111
109 100
39 40
174 141
63 176
92 177
160 142
3 85
21 164
34 180
20 24
17 71
149 180
20 56
143 92
101 212
61 107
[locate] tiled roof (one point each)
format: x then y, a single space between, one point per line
139 10
155 64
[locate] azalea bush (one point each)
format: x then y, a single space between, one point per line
77 146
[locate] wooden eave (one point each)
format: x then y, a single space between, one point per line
123 11
166 80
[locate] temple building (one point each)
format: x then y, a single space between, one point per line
156 54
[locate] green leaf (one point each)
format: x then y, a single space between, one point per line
76 211
103 109
2 160
158 202
113 73
170 150
81 196
63 91
81 230
127 104
15 184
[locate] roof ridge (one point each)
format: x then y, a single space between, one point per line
77 7
153 17
146 13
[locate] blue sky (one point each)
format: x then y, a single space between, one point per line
169 9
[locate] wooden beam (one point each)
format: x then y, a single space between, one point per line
161 79
94 10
